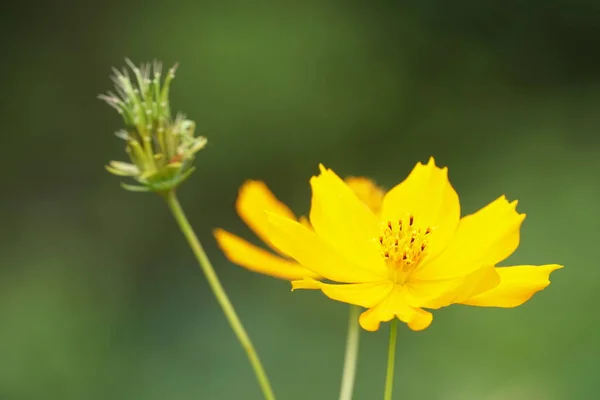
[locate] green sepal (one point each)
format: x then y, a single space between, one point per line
160 186
164 186
135 188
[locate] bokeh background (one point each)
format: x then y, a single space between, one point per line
100 298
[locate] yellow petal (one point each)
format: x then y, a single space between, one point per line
343 221
428 293
395 305
484 238
304 221
371 319
360 294
517 285
417 319
367 191
312 252
253 199
306 283
255 259
479 281
428 195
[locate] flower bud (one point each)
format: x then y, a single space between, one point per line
161 148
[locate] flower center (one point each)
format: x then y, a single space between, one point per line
403 246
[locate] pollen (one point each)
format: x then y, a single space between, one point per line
403 245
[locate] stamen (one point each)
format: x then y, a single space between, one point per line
403 246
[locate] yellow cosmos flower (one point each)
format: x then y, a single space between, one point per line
417 253
254 200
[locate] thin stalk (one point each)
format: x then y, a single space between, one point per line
351 356
389 377
217 288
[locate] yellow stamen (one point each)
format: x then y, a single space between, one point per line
403 246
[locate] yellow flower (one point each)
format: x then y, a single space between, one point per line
253 200
418 253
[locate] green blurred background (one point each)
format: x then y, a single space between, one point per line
100 298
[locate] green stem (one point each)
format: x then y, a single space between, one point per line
389 377
351 355
219 292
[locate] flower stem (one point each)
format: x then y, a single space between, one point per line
351 355
389 377
219 292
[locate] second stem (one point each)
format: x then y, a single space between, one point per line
351 354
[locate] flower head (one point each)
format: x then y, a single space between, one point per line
161 148
253 199
417 253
